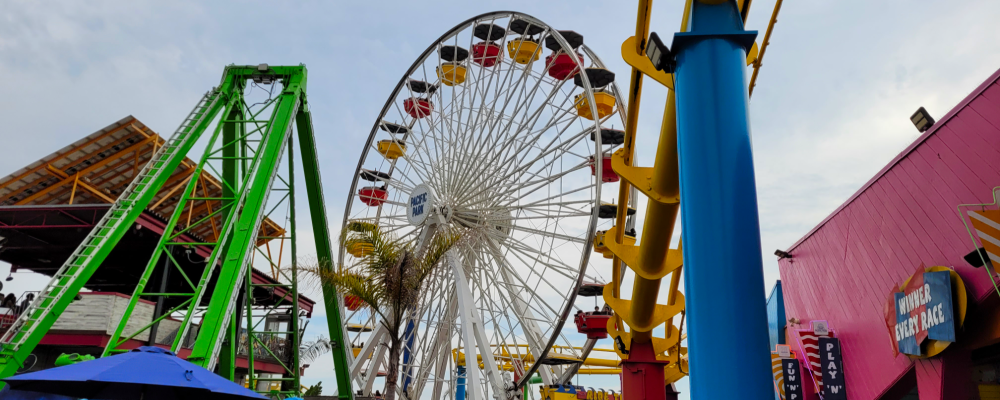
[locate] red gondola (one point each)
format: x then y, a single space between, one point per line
593 324
563 66
486 54
607 173
417 107
353 302
373 196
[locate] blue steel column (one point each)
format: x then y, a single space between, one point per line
723 272
460 383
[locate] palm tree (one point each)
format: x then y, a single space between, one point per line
388 279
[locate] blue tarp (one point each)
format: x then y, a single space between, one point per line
9 394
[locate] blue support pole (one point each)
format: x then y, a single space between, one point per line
460 384
723 271
408 336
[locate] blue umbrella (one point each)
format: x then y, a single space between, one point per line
146 373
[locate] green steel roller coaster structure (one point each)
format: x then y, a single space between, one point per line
246 148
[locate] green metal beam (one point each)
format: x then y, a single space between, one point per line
164 247
232 127
294 338
324 252
234 265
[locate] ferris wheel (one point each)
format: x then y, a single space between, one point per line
501 133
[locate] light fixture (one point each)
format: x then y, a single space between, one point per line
659 54
782 254
922 120
10 276
977 257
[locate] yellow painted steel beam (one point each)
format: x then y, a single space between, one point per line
599 371
763 46
628 148
651 260
459 357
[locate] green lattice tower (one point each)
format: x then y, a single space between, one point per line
247 145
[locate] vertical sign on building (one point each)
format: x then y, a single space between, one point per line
793 379
832 364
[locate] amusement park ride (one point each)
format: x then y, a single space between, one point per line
485 138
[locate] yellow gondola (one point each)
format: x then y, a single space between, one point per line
523 51
605 105
392 149
451 74
601 247
358 249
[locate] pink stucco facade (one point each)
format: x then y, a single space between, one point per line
844 269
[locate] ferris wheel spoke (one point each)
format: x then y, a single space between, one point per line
547 201
474 93
483 116
423 322
504 307
512 188
510 91
380 219
418 147
535 259
512 151
548 217
495 144
532 186
530 251
399 184
501 262
522 107
532 332
547 151
440 343
553 235
555 210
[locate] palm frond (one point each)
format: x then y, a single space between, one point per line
309 351
353 283
440 244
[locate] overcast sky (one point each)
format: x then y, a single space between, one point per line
830 109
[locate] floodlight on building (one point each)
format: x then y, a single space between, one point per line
782 254
922 120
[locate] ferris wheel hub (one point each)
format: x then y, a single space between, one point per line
420 205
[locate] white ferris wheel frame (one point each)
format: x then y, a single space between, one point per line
459 309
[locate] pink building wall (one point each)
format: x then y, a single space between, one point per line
844 269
